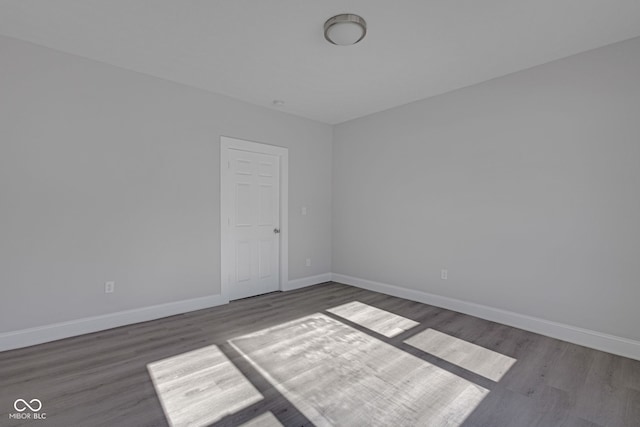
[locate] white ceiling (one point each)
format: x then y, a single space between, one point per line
262 50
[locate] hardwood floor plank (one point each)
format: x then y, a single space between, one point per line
570 371
601 398
631 416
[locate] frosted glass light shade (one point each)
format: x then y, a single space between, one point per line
345 29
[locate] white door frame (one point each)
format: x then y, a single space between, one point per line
226 144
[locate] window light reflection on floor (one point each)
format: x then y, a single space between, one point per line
332 373
200 387
337 375
265 420
373 318
472 357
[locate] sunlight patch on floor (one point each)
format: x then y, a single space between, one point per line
200 387
472 357
337 375
373 318
265 420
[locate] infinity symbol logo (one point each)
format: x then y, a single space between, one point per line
24 405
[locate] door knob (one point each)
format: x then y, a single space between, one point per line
276 230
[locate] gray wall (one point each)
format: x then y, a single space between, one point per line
526 188
106 174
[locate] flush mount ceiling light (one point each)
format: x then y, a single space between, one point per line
345 29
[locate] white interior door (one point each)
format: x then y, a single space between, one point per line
253 222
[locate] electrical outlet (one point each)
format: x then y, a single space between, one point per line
109 287
303 210
444 274
308 262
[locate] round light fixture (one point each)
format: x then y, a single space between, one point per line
345 29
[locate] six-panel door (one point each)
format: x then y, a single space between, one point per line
254 223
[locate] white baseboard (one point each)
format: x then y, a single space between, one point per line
41 334
588 338
308 281
585 337
56 331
